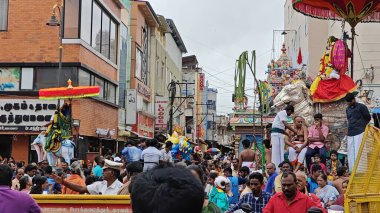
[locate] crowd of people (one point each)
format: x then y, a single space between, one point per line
311 179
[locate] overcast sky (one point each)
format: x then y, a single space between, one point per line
218 31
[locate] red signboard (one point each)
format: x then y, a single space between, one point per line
201 81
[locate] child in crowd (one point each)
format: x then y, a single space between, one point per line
210 182
332 165
317 161
218 194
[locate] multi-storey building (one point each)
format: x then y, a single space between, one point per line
29 62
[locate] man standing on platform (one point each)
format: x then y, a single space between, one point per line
358 117
277 134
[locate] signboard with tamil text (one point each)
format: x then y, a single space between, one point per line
26 115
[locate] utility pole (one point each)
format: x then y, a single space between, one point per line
172 88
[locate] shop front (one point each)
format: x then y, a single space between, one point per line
21 120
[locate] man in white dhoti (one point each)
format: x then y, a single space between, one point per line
358 117
277 134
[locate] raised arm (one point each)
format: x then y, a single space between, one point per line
72 186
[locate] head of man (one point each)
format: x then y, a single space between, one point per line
316 171
31 170
227 172
143 143
235 163
301 181
64 166
350 99
318 119
168 146
285 166
48 171
334 155
169 189
244 171
246 143
99 160
342 171
129 143
19 173
6 175
298 121
289 185
111 170
289 110
152 143
271 168
134 168
256 181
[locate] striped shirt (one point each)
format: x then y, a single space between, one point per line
257 205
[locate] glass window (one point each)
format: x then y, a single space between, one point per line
111 93
106 35
71 23
3 14
100 82
96 26
9 79
83 78
27 77
113 44
47 77
86 21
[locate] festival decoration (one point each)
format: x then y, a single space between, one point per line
351 11
266 94
181 147
69 92
332 84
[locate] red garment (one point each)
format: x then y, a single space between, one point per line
330 90
340 200
322 165
300 204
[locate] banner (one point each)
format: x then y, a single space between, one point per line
131 106
26 115
162 112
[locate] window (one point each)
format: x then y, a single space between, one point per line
113 42
96 26
3 15
100 82
47 77
105 35
86 21
71 23
27 77
111 93
83 78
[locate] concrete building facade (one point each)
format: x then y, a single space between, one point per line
29 63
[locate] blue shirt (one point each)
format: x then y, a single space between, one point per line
98 171
131 154
257 205
56 186
269 187
358 117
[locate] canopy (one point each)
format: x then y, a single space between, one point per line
352 11
68 92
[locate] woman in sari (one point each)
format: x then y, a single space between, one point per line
328 194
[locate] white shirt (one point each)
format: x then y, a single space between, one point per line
278 120
166 156
151 157
101 187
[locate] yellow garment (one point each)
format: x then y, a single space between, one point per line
277 183
324 69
